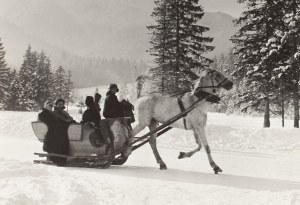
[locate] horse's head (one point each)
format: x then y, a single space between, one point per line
212 81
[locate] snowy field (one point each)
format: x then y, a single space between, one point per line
260 166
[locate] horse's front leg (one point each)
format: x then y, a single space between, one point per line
200 131
152 142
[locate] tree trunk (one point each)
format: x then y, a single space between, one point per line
164 51
177 43
282 111
296 85
282 101
267 113
296 105
267 99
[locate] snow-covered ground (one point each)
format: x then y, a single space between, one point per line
260 166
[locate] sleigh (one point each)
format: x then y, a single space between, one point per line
82 153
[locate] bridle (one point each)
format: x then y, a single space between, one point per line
212 82
197 90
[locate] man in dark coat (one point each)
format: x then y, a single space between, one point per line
56 140
112 106
91 114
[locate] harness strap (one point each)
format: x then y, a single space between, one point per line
202 94
180 103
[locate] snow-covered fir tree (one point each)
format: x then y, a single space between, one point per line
35 83
15 90
60 84
27 77
4 74
286 49
282 49
293 22
256 66
42 82
178 44
160 39
69 87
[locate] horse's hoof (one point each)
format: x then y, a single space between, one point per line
181 155
217 170
163 167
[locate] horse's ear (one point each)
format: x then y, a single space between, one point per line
199 83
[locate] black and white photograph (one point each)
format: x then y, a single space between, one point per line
149 102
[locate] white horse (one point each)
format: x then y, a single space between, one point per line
154 109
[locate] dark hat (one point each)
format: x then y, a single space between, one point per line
97 96
89 101
111 86
59 100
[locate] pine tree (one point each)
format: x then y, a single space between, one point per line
256 66
15 90
190 44
27 77
178 44
160 43
4 74
42 82
69 87
284 46
290 49
60 84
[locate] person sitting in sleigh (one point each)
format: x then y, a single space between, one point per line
56 140
92 115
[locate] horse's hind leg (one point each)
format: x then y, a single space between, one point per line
152 142
138 128
202 137
191 153
132 132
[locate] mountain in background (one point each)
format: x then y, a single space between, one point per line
89 30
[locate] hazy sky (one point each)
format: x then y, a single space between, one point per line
227 6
